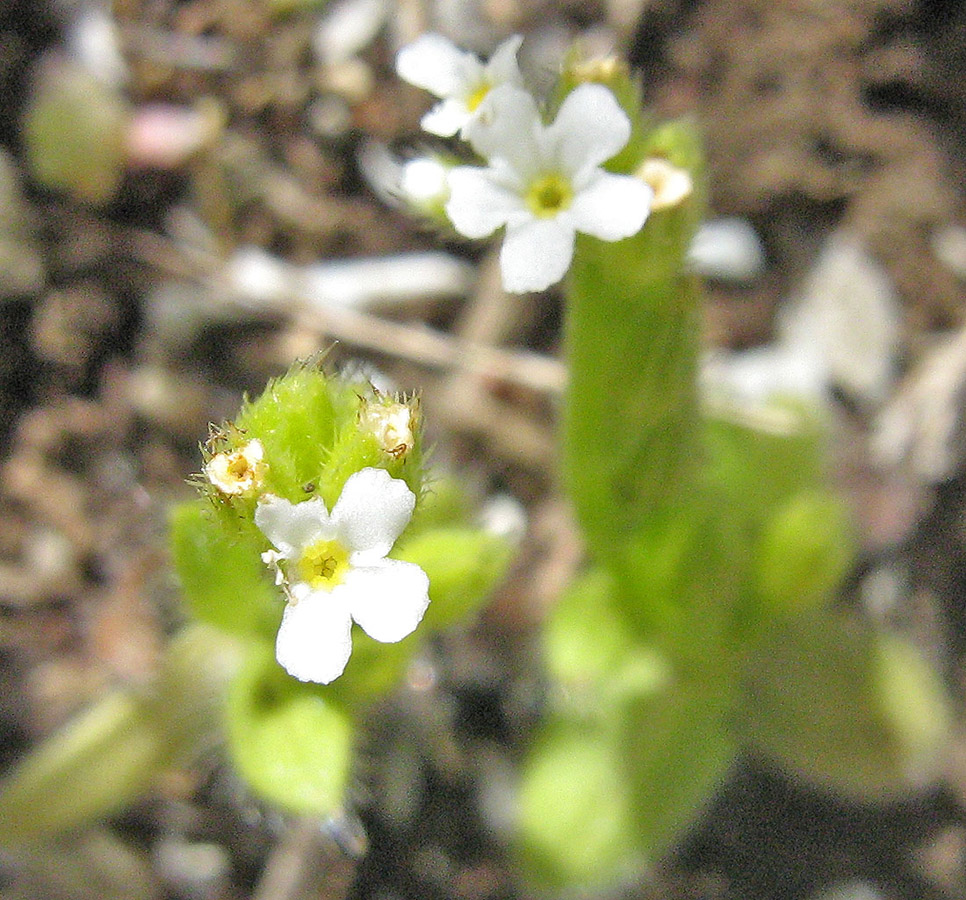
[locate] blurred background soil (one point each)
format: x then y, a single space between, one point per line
205 252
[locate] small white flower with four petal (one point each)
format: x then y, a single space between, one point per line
335 571
545 182
458 78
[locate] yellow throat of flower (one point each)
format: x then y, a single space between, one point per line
478 95
323 565
548 195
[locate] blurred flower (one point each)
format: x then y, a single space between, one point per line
335 571
423 184
671 185
240 472
544 182
390 422
461 81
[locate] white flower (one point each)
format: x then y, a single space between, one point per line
457 77
335 571
544 182
240 472
391 423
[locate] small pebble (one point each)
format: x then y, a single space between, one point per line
949 245
850 312
347 28
850 890
196 871
727 250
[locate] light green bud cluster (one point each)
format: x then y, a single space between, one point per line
305 435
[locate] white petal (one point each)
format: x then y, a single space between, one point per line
446 118
506 126
314 640
372 512
478 203
502 67
291 526
537 254
611 207
388 599
589 129
436 64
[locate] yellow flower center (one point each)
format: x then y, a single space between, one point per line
478 95
240 472
548 195
323 564
238 466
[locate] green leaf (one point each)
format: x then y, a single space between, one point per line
463 564
110 754
223 579
96 765
753 471
679 749
575 822
804 552
373 670
597 675
290 743
844 706
74 132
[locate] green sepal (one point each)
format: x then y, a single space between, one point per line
288 740
310 426
844 706
296 419
463 564
222 577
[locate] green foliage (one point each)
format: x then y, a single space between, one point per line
97 765
678 749
223 580
463 565
803 552
843 705
289 742
630 421
576 820
110 754
704 622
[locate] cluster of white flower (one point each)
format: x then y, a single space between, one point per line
543 183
